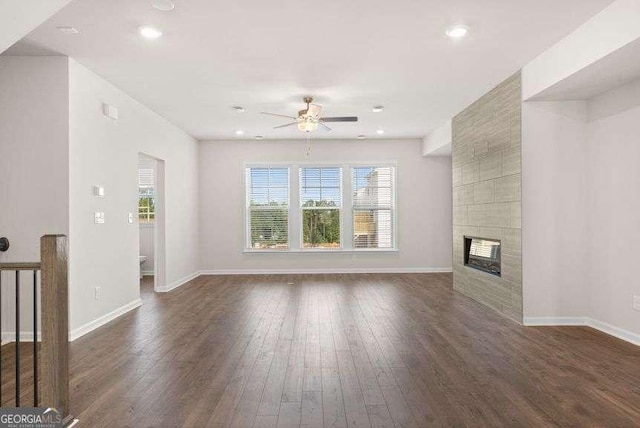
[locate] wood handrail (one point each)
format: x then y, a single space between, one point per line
20 266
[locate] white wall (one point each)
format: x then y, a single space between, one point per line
554 209
34 189
423 198
581 201
614 206
147 247
19 17
438 141
105 152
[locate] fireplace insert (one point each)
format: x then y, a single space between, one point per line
482 254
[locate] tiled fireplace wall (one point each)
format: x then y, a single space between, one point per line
486 157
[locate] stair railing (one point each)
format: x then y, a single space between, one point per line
51 361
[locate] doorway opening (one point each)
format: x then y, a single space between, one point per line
151 222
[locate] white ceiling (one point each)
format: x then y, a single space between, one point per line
18 18
266 55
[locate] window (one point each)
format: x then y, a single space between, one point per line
326 207
146 195
373 207
268 208
321 203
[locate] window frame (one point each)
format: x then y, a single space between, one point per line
301 209
247 209
393 209
295 211
147 192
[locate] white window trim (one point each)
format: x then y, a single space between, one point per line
295 210
300 209
247 225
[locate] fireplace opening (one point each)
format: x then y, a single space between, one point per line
482 254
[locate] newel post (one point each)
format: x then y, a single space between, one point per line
55 323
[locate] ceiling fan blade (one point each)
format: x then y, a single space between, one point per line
279 115
285 125
339 119
325 127
314 110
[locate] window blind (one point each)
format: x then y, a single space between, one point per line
320 203
267 192
145 178
373 206
146 175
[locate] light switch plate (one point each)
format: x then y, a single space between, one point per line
636 303
130 218
98 191
110 111
98 218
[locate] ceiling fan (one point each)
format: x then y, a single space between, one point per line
309 119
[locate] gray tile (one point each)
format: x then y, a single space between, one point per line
508 188
471 172
457 176
498 215
516 215
484 192
477 215
491 167
511 161
460 216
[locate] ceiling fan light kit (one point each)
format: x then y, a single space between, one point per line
310 119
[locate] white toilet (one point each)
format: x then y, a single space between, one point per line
142 260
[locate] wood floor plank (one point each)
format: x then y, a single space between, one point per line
380 417
355 410
338 350
333 413
311 412
289 416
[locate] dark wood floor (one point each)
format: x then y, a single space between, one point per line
344 351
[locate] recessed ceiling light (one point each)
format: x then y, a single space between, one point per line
163 5
239 109
377 109
239 132
361 137
457 31
68 30
259 137
380 131
150 32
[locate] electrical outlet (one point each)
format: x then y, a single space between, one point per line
636 303
98 218
96 293
130 218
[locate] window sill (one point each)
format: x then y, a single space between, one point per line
323 251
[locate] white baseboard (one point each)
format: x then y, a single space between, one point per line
604 327
10 336
322 271
177 283
194 275
148 272
98 322
554 321
618 332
